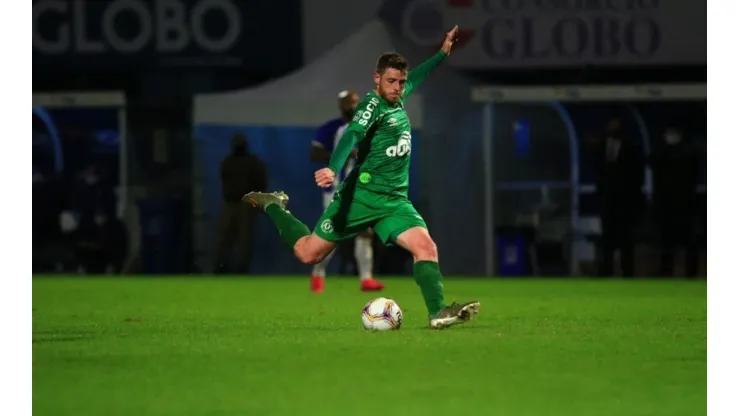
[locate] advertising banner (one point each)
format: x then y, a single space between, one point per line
553 33
128 34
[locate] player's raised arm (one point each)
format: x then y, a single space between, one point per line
421 72
450 40
365 116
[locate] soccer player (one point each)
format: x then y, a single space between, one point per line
376 192
326 140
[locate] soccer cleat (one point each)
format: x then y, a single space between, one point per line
317 284
371 285
262 200
456 313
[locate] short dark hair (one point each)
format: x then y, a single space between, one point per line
391 60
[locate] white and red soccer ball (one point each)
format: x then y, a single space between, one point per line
382 314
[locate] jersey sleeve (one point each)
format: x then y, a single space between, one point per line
366 115
421 72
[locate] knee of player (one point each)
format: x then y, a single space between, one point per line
309 258
303 257
426 250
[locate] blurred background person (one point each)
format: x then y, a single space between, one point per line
323 145
675 178
241 172
101 243
92 192
619 177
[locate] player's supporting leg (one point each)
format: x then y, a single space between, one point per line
429 278
364 258
308 248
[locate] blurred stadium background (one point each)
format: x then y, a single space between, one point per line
504 170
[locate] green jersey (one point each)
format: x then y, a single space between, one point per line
383 133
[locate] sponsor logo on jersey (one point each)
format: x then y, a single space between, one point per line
363 116
402 148
392 121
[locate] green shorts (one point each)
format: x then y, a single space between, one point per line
353 211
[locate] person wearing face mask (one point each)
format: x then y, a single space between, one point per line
675 177
323 145
241 172
620 175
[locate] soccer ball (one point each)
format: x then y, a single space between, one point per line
382 314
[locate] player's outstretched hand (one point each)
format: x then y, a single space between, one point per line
324 177
450 40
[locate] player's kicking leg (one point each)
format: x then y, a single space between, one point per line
307 247
364 258
427 275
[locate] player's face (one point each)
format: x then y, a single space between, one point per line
391 84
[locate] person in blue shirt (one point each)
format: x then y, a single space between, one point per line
322 146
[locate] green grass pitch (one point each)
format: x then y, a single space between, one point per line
267 346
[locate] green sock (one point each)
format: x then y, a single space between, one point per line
290 229
429 279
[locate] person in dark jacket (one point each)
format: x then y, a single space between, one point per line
241 173
675 177
620 175
102 243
